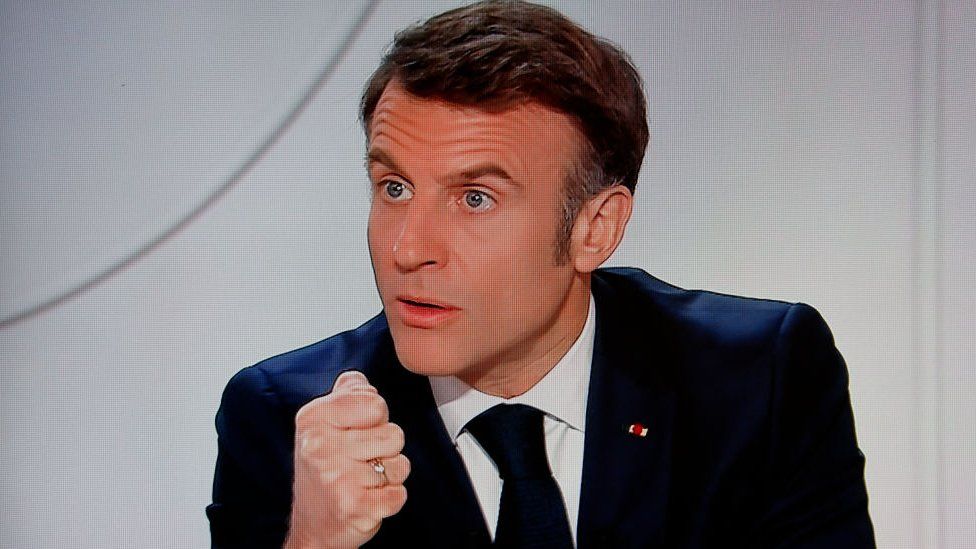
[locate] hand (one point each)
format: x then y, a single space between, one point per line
339 499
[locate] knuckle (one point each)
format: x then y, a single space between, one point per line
339 401
349 377
406 466
365 526
329 477
306 445
302 417
316 444
398 498
396 436
374 408
357 408
399 470
311 414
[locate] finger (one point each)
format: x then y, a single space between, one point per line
397 470
384 440
350 381
366 526
385 502
358 410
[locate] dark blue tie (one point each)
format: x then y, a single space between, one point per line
532 512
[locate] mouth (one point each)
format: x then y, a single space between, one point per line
421 312
421 304
425 303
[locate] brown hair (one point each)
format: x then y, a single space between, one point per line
497 54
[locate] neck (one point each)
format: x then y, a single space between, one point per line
510 378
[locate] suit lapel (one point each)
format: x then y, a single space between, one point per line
624 493
625 488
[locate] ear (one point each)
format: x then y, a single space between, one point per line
599 227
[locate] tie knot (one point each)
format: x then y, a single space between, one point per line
514 438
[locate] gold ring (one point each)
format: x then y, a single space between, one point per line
378 466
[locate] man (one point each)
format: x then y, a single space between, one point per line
510 390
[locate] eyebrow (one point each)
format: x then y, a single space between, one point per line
477 171
481 170
379 156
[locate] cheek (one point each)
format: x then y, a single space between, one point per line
515 265
380 250
377 231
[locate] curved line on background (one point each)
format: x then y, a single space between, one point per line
232 181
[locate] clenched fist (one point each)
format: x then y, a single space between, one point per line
340 498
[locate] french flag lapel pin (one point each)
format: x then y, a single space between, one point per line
637 429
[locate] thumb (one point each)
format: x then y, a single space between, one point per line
352 381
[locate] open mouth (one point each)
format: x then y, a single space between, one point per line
422 304
412 311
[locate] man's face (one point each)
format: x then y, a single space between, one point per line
462 233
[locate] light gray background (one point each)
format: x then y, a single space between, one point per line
807 151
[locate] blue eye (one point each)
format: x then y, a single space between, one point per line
396 190
477 200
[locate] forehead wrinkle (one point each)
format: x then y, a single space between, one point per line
461 131
484 152
465 145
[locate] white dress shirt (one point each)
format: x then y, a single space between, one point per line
561 394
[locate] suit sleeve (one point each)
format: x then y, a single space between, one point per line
815 484
253 479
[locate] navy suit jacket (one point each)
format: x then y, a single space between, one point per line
750 437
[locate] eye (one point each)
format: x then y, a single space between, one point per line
397 191
478 200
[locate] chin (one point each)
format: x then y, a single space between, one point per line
425 365
421 358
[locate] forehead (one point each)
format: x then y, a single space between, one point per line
525 135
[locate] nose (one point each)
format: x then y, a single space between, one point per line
419 243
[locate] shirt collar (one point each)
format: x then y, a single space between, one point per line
561 393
